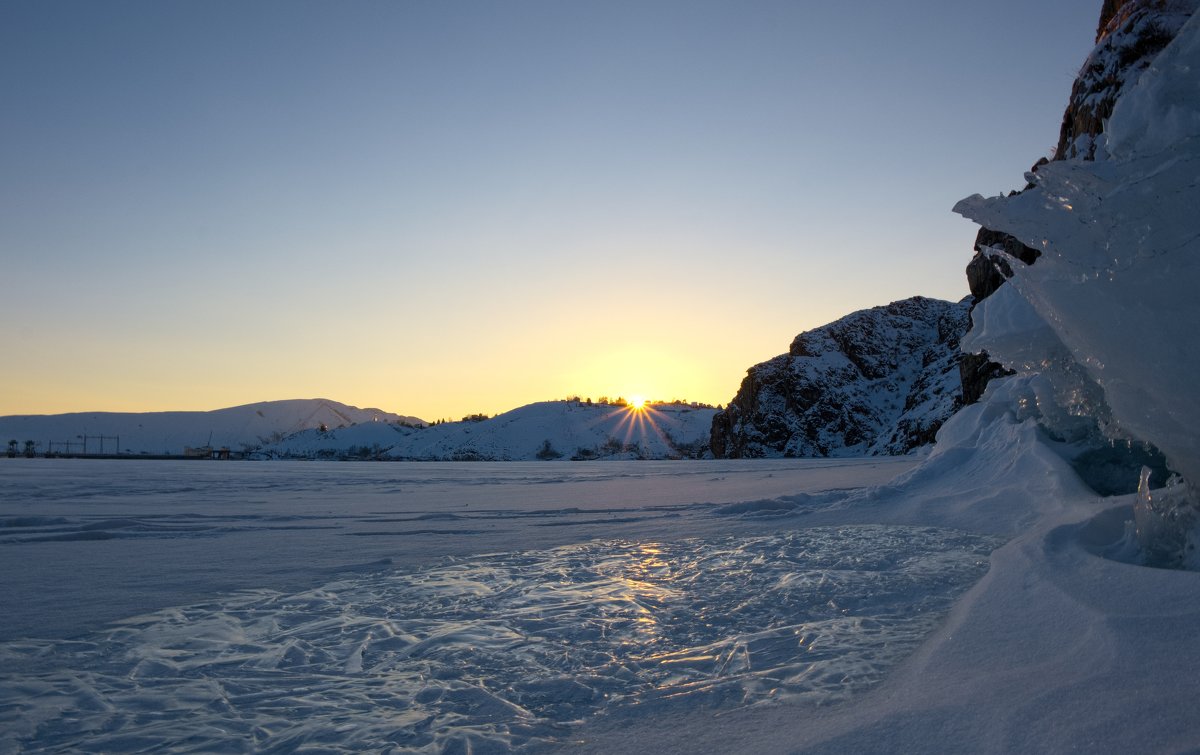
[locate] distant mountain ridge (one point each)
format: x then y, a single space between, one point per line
546 431
239 428
880 381
324 429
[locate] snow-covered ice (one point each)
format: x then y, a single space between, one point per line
250 605
499 650
83 542
765 605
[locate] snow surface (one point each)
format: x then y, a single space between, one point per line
84 542
1056 649
261 605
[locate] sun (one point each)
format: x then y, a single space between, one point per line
637 403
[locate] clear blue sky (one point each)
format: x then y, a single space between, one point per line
447 207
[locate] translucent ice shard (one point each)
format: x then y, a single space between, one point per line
1116 283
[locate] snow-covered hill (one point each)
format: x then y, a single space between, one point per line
237 428
878 381
546 430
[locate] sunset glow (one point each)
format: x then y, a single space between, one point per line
502 218
637 403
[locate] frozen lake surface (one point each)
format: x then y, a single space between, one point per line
87 542
673 607
244 606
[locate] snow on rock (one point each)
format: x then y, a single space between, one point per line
1131 34
1109 313
546 431
878 381
170 433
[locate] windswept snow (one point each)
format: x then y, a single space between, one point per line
261 605
503 650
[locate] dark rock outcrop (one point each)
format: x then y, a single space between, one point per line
879 381
987 270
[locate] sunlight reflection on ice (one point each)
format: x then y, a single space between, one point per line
497 651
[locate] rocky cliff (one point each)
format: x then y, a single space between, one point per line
878 381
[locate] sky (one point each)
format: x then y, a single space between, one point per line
443 208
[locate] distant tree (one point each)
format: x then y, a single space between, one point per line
547 452
589 401
12 449
480 417
30 449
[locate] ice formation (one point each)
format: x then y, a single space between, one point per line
1109 314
